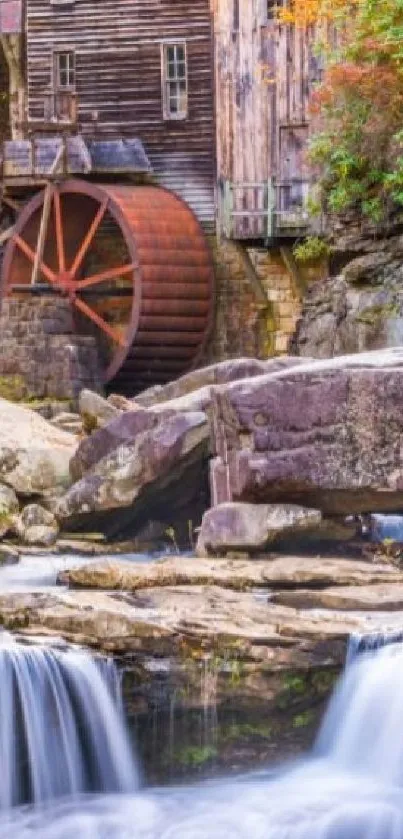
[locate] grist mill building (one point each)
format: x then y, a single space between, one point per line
153 179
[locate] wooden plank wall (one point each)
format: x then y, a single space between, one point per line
118 76
264 74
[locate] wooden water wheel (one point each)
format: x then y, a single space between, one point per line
135 265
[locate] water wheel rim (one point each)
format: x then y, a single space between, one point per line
99 195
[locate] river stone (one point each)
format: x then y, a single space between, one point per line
95 410
325 435
382 597
281 572
183 624
158 467
34 455
36 526
9 506
9 555
252 527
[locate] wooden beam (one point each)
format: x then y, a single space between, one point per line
40 247
251 274
292 266
89 237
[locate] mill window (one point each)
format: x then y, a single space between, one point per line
174 81
65 70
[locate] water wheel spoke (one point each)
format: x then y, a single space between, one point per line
110 274
61 255
27 250
89 238
99 321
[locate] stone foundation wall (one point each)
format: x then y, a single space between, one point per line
257 303
40 356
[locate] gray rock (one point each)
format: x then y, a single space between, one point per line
325 435
360 309
9 506
36 526
9 555
34 455
252 527
95 409
202 379
159 466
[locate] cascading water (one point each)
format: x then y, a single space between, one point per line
350 788
61 726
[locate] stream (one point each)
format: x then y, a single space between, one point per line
64 748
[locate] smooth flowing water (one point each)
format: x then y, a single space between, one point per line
351 787
61 726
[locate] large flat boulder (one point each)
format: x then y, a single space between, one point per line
34 455
203 378
149 475
326 434
121 430
253 528
162 618
282 572
386 597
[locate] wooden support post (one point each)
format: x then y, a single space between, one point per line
40 247
292 266
271 209
254 279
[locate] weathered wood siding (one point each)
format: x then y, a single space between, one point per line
264 73
118 80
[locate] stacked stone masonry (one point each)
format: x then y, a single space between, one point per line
40 354
254 316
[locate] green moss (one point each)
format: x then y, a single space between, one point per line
304 719
12 388
196 756
323 681
373 314
242 731
90 422
312 249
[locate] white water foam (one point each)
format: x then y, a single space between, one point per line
350 788
61 726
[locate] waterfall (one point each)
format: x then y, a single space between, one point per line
351 787
61 726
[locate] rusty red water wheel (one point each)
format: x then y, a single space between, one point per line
135 265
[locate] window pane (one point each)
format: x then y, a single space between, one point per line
171 71
65 69
173 105
180 52
171 53
181 70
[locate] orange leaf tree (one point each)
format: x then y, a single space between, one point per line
358 140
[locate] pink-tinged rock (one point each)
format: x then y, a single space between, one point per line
328 435
150 474
252 527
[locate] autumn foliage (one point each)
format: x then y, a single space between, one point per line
358 108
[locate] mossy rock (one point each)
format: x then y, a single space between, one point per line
372 315
12 388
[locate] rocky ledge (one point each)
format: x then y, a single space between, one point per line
262 613
246 649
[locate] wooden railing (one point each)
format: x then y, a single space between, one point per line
275 209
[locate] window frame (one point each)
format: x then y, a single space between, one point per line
167 81
71 70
